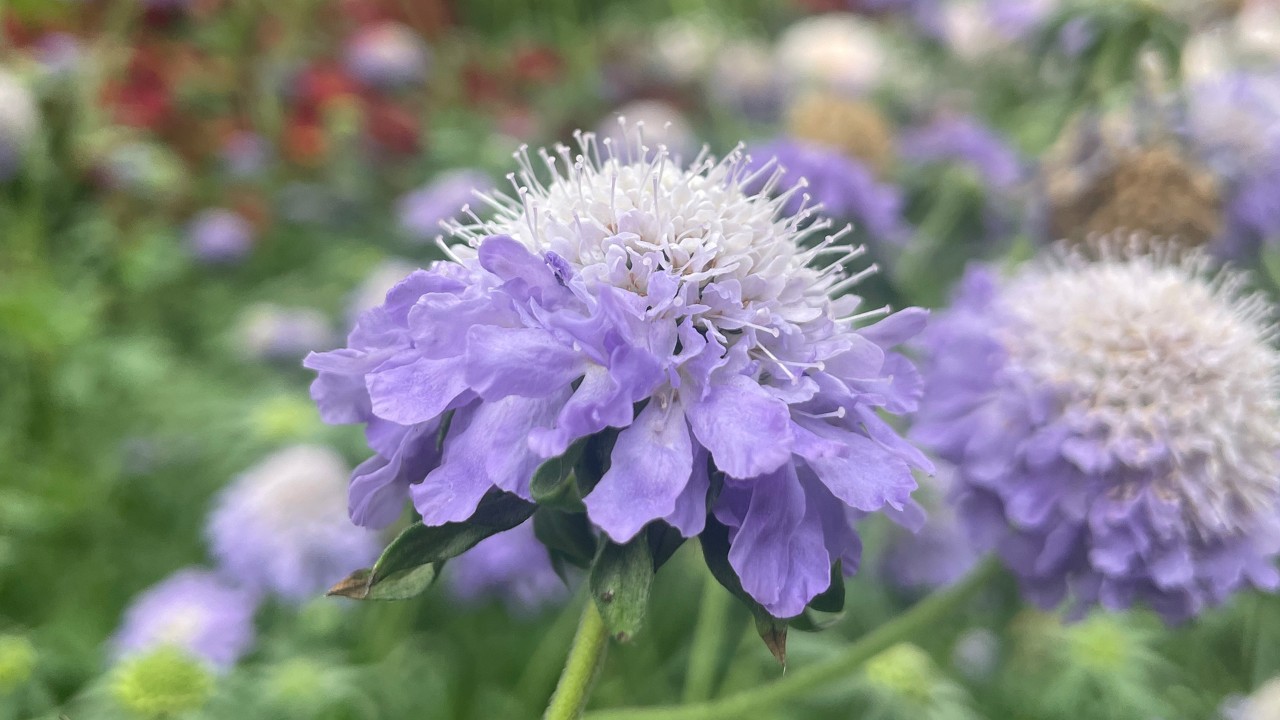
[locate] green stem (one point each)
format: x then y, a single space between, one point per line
752 702
586 656
708 642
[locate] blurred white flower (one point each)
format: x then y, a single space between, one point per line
19 119
684 48
836 51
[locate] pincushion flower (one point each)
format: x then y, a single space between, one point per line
220 236
694 323
835 51
281 526
193 610
512 566
19 120
388 55
1115 427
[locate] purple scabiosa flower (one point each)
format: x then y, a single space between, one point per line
1115 427
271 332
423 211
512 566
194 610
388 55
282 526
219 236
966 141
843 186
670 309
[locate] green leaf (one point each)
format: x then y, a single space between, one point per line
411 562
620 581
567 535
554 483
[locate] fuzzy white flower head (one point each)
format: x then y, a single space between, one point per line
1164 363
620 215
837 51
269 331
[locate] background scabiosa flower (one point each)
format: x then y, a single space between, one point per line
1156 190
836 51
18 121
388 55
193 610
745 78
965 141
844 187
903 682
670 309
933 553
282 526
1115 428
372 291
856 128
423 211
272 332
1233 122
512 566
220 236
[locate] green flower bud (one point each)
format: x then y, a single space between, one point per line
285 417
17 662
904 671
903 682
162 683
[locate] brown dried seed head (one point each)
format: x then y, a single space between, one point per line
853 127
1151 191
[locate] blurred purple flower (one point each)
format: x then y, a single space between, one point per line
219 236
388 55
59 53
282 526
512 566
937 554
964 140
1081 403
538 333
423 210
846 189
193 610
273 332
245 154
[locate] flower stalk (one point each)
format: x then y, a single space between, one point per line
586 657
912 623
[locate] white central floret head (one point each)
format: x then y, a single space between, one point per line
298 490
618 213
1166 364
